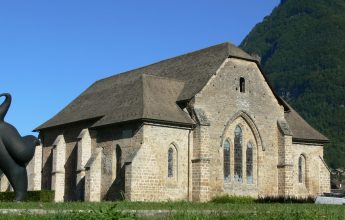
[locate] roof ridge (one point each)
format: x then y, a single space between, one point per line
128 95
228 44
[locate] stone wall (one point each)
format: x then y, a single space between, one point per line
149 179
84 154
285 160
58 168
201 157
317 177
93 177
325 177
222 102
127 139
4 183
65 166
34 169
48 139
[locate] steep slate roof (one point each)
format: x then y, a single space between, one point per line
124 97
301 130
158 97
151 93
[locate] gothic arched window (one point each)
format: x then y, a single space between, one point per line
170 162
226 152
249 158
118 160
301 169
238 154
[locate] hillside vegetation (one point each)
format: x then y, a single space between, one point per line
302 50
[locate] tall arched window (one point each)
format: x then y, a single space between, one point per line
249 157
226 152
301 169
170 162
238 154
118 161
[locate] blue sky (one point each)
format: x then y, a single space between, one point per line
51 51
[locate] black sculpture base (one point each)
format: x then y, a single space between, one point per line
15 152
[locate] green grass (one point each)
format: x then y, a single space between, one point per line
233 199
181 210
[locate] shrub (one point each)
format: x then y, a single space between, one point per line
285 199
32 196
233 199
7 196
47 196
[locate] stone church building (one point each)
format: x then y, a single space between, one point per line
200 125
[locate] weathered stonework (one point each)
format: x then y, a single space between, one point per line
4 183
93 177
58 170
317 175
132 161
149 167
34 170
285 160
201 164
84 155
226 103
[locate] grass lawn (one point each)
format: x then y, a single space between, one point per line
176 210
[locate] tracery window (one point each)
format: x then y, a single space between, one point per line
301 167
238 154
226 152
170 162
249 157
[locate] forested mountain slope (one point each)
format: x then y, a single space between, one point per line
302 50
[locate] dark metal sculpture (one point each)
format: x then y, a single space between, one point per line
15 152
